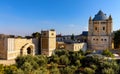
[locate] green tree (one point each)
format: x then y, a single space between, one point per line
1 69
72 37
64 60
27 68
117 39
54 69
41 70
108 71
88 60
10 69
36 35
77 63
54 58
42 60
69 70
19 37
110 65
19 71
61 52
107 53
88 70
93 66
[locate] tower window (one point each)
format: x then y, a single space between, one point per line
52 34
95 28
96 23
97 39
44 34
105 39
103 28
101 39
103 22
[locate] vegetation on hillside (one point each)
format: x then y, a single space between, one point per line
63 62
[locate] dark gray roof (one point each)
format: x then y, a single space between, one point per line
85 33
100 16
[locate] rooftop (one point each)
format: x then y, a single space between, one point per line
100 16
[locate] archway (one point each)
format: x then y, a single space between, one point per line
28 48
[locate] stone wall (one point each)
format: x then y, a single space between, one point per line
3 51
76 46
99 32
48 42
10 48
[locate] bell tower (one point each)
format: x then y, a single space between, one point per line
48 42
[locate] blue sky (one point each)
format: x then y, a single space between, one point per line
23 17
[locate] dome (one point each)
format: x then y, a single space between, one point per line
100 16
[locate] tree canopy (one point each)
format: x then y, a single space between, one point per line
117 39
63 62
36 35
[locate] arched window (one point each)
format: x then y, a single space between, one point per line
52 34
105 39
103 28
95 28
96 39
101 39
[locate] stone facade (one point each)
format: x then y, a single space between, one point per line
76 46
99 32
60 45
48 42
10 48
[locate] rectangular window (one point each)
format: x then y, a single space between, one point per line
95 28
103 28
103 22
101 39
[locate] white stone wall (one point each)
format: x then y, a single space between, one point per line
10 44
14 45
76 46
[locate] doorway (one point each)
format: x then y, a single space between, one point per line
29 51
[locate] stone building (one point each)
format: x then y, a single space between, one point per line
11 47
99 32
76 46
60 45
48 42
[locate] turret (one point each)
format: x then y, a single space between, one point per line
90 18
109 25
90 28
110 18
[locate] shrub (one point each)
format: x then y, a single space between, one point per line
54 69
107 53
69 70
108 71
64 60
88 70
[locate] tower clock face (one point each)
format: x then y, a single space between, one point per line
52 34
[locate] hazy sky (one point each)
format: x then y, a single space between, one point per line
23 17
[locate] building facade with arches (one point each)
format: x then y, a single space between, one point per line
100 32
10 48
13 47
